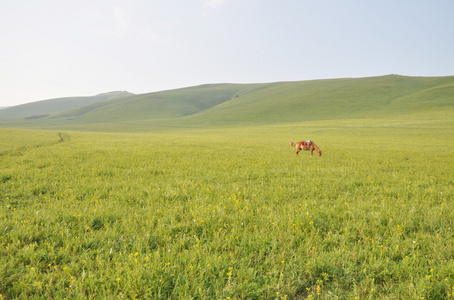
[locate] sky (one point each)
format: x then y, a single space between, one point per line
62 48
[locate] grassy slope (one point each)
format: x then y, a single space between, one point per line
334 99
163 105
270 103
53 106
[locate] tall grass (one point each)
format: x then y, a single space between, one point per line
230 213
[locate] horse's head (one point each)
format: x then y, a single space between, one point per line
320 153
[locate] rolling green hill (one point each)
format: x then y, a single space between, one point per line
171 104
334 99
242 104
45 108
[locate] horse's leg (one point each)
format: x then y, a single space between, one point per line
312 151
298 149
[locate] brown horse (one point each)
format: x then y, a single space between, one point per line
306 145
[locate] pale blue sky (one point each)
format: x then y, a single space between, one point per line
58 48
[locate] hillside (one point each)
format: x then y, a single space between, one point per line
171 104
334 99
242 104
45 108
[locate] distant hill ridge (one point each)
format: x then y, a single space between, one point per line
52 106
261 103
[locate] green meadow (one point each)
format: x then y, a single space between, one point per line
197 194
229 213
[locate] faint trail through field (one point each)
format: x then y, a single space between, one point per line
62 137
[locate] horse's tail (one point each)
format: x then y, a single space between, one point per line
292 143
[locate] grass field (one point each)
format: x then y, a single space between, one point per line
230 213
